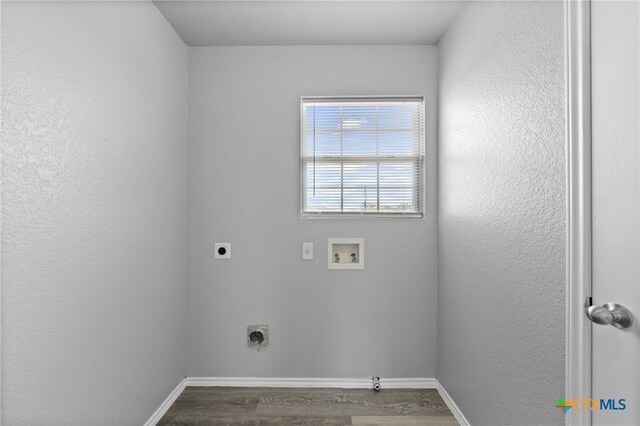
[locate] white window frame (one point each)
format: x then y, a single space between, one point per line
365 215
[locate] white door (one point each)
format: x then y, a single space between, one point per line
615 48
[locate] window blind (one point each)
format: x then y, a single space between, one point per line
362 156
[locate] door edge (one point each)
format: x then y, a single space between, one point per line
578 251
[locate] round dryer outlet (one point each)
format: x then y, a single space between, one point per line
257 335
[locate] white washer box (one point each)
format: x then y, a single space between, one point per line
345 253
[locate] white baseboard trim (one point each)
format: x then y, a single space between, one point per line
157 415
273 382
452 405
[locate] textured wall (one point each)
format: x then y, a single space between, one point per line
94 212
243 188
502 212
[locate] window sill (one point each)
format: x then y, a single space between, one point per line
361 216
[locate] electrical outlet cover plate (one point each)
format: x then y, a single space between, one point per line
307 251
222 251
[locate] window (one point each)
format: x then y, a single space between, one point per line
362 156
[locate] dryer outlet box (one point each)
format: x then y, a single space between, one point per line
257 335
222 251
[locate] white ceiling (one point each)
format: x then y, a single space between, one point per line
256 23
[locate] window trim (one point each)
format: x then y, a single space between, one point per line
364 215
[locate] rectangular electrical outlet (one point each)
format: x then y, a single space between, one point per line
307 251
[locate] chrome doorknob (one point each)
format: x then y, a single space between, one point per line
608 314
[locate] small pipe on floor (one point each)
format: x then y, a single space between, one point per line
376 383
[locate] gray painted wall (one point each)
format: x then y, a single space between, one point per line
94 212
243 188
502 212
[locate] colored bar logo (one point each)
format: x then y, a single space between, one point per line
563 405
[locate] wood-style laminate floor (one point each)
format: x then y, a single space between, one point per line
291 406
